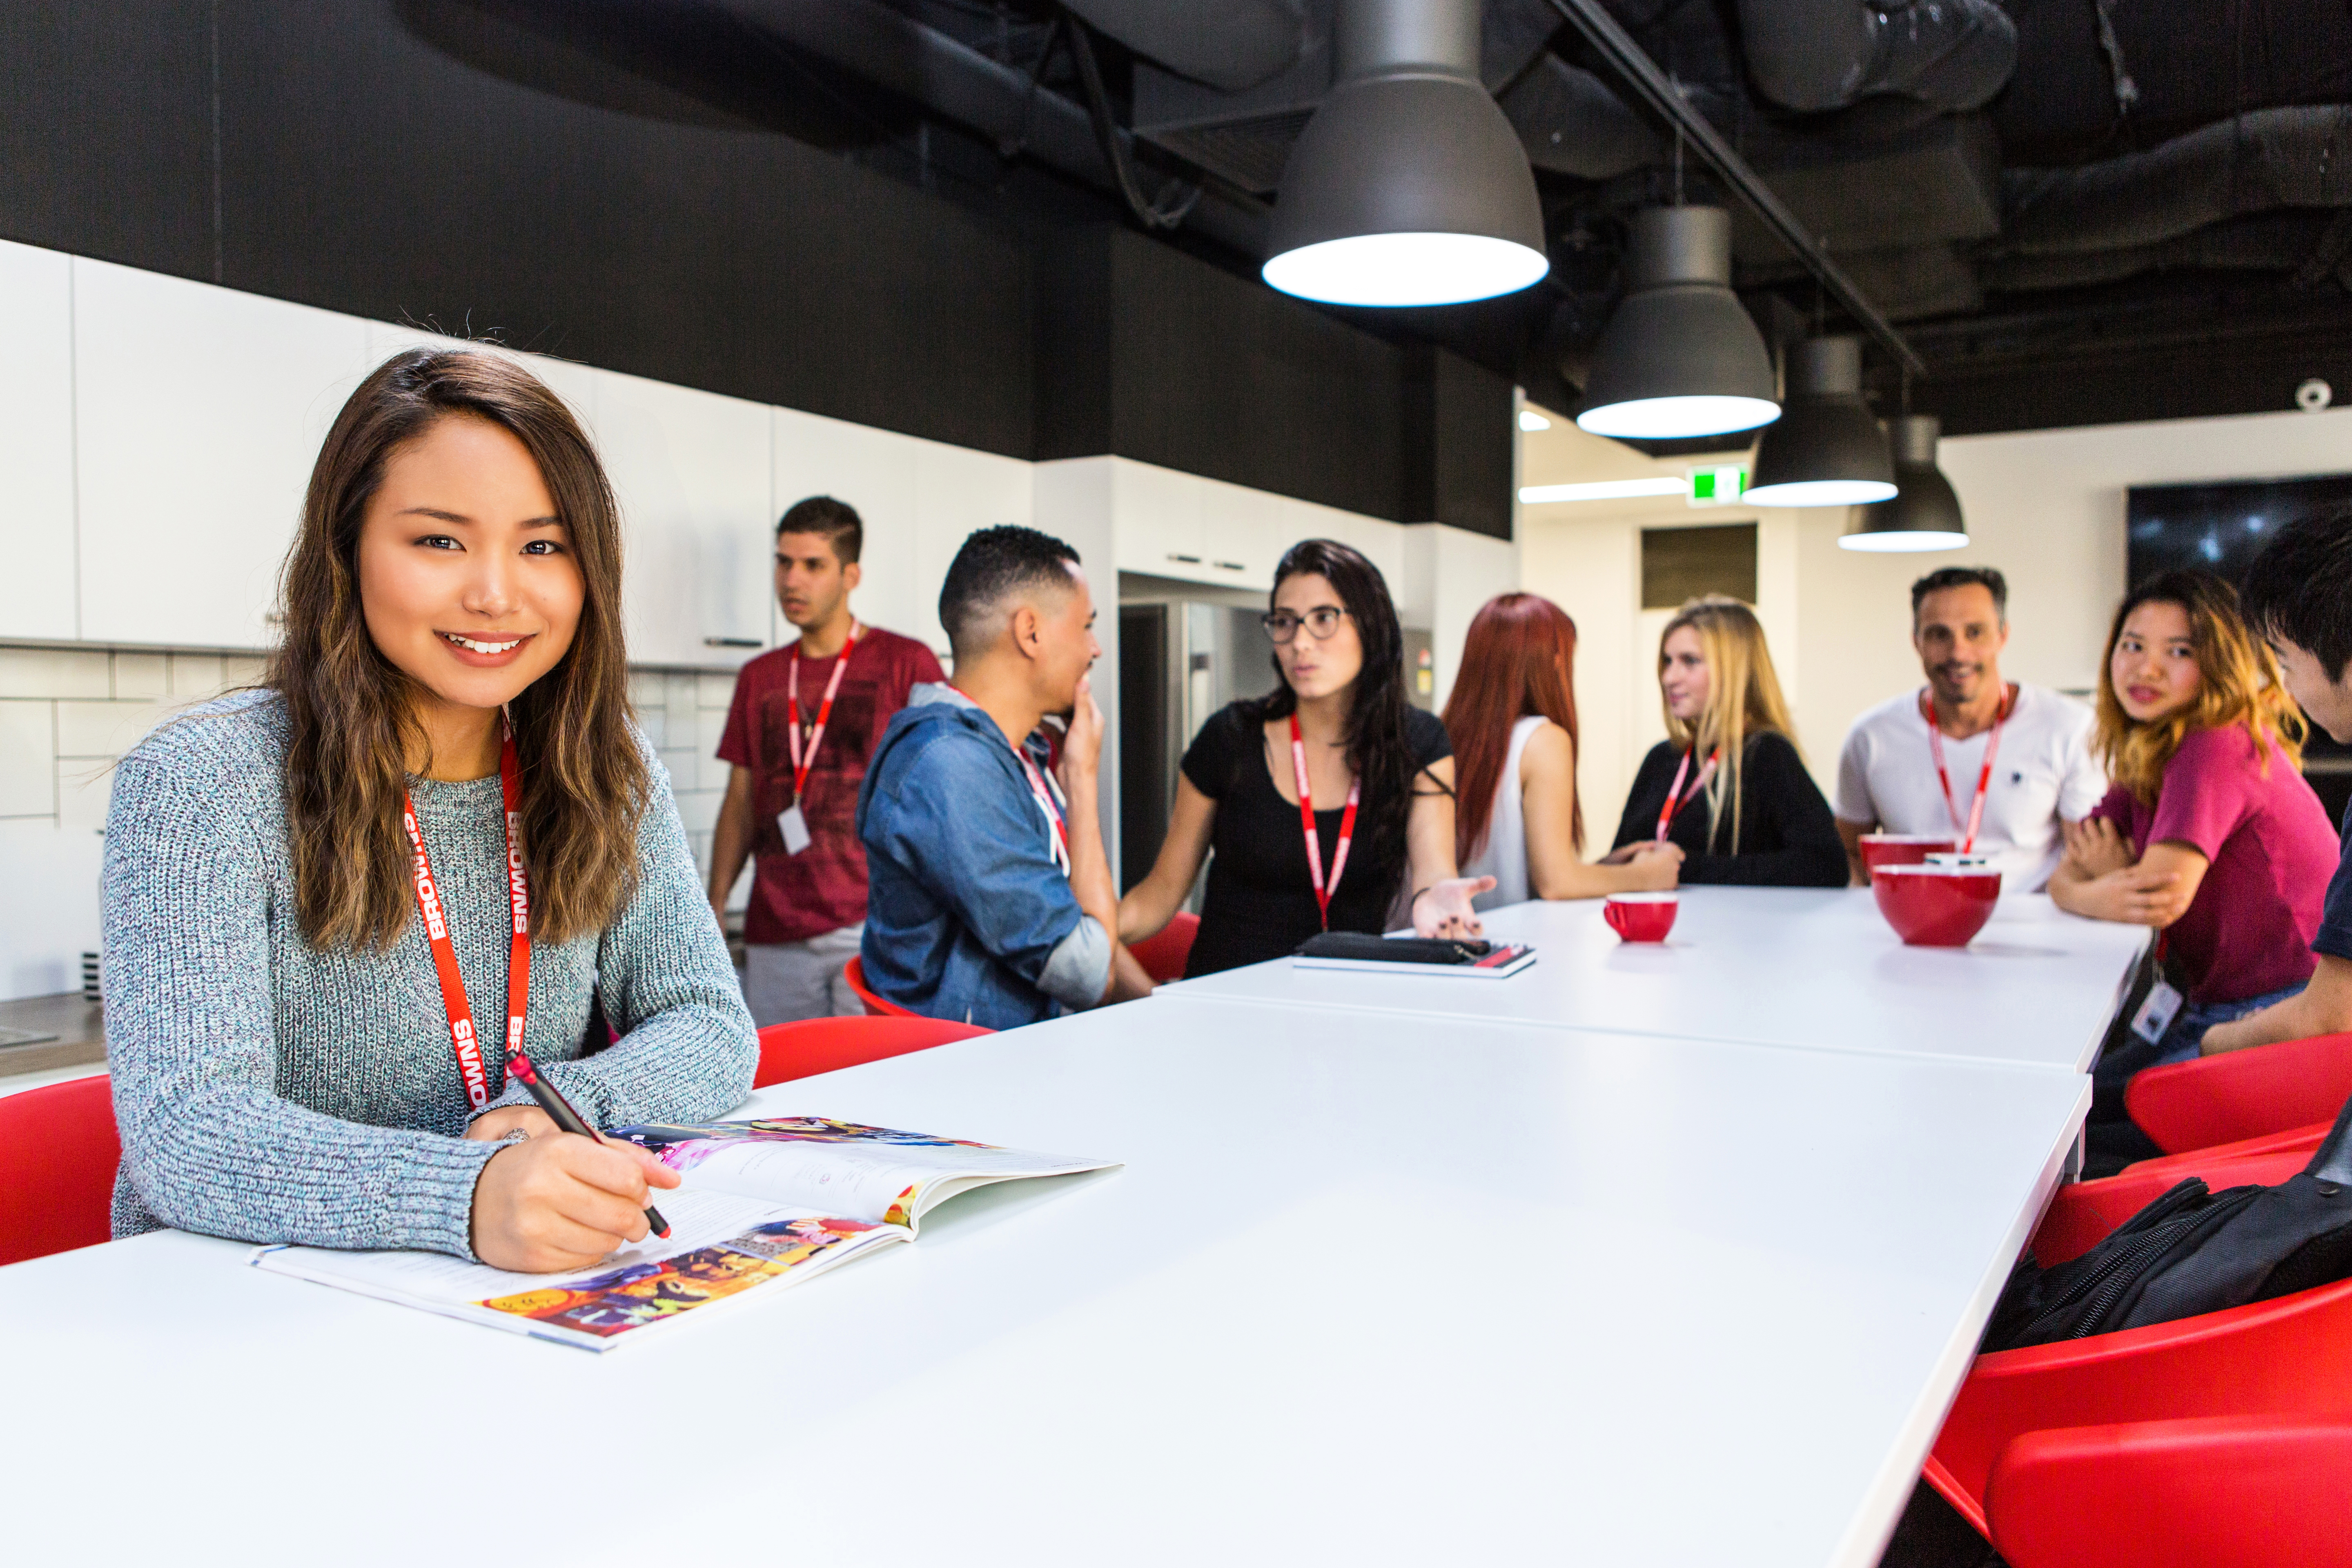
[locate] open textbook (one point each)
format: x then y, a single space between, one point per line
765 1203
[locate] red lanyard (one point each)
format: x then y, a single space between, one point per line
1324 891
1676 797
823 711
462 1037
1984 775
1048 803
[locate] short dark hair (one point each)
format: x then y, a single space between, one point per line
836 519
994 564
1943 577
2299 589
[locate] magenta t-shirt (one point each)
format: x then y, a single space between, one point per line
2270 849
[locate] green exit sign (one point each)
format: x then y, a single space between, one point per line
1718 486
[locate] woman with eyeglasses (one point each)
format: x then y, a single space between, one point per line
1324 800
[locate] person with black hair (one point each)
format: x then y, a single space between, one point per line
990 898
1334 743
2297 596
803 720
2011 758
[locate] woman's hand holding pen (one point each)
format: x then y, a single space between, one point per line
559 1202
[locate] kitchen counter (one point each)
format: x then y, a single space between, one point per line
78 1028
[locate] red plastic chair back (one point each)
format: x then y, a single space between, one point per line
2081 1214
822 1045
2306 1139
2228 1492
2242 1094
874 1007
2292 1356
58 1150
1162 956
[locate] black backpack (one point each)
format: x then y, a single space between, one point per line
2192 1251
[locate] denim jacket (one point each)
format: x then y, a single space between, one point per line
967 915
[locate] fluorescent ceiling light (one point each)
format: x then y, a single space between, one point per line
1392 269
1531 420
1901 543
1820 492
1603 490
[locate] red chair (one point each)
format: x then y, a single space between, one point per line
822 1045
2081 1214
2229 1491
1163 955
2242 1094
874 1007
58 1150
2306 1139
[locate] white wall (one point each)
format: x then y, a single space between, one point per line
2046 507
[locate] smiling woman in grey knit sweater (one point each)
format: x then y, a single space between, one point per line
282 1056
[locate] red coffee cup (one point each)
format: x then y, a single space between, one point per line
1904 848
1640 917
1941 902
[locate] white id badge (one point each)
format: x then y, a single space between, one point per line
2156 1013
795 827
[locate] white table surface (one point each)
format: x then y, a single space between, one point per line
1809 967
1517 1294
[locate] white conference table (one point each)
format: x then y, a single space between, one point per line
1816 968
1515 1294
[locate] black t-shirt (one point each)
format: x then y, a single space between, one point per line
1786 836
1260 902
2334 937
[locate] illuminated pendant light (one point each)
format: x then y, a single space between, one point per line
1826 449
1924 513
1408 186
1679 358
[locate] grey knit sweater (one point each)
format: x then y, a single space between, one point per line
269 1091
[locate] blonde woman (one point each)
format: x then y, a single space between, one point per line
1727 786
2210 832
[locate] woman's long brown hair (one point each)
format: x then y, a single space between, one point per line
2238 683
1520 658
350 723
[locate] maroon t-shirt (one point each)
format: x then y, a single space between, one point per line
2270 852
823 888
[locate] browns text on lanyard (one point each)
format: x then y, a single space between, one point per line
463 1037
1324 891
1676 799
1968 830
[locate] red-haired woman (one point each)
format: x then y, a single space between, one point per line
1512 718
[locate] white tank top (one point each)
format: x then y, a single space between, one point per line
1504 854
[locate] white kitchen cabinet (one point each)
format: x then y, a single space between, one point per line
198 413
37 477
874 471
1242 534
1157 522
693 474
958 491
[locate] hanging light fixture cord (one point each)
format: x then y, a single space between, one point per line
1177 197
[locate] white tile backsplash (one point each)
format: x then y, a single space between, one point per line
51 673
84 786
28 759
195 675
714 691
144 675
106 728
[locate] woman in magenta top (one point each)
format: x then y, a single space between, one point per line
2210 832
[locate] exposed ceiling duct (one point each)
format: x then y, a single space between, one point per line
1230 45
1816 54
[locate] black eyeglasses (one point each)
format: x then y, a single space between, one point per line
1322 621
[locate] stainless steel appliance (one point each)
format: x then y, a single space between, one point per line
1179 661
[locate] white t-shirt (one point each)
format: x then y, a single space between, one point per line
2044 770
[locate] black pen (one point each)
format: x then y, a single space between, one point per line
559 1110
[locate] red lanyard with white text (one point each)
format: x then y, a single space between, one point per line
1324 891
1048 801
1984 775
824 710
462 1036
1676 797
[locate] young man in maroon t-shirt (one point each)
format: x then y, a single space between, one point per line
798 820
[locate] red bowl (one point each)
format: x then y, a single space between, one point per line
1904 848
1640 917
1935 906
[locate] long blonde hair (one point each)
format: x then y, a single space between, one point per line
2238 683
1743 699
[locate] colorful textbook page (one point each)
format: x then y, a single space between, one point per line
765 1203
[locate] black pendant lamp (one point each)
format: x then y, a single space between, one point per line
1924 513
1826 449
1408 186
1679 357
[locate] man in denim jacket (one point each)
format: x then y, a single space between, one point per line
990 898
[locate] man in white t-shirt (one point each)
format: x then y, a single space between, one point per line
1898 773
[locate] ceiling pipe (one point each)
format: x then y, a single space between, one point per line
1642 73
